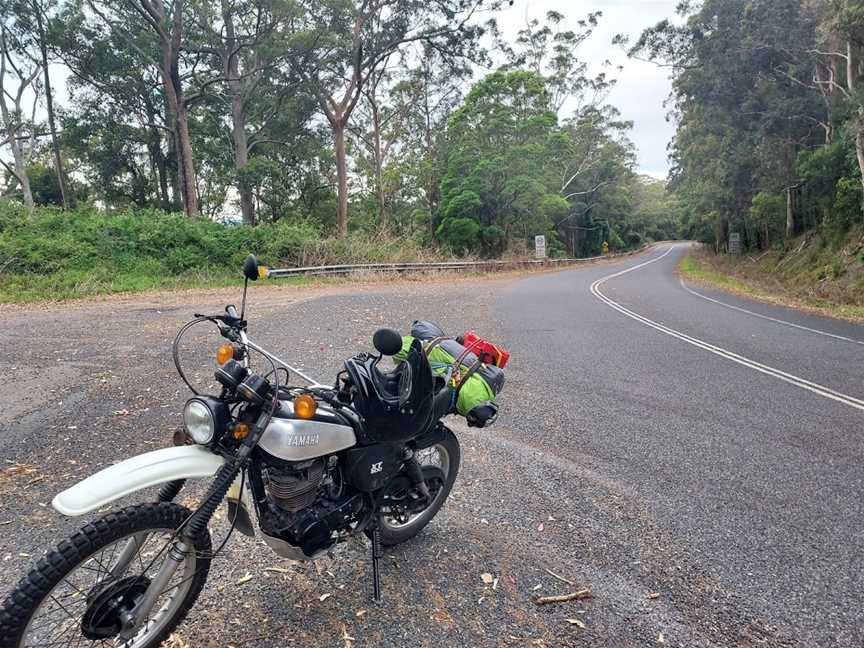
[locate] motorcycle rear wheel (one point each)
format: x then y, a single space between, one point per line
445 455
69 592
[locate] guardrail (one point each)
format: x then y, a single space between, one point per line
311 271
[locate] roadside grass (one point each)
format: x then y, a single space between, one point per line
752 278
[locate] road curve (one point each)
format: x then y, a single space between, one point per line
736 436
694 459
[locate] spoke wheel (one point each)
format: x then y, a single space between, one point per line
403 518
81 593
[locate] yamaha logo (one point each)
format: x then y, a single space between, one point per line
302 440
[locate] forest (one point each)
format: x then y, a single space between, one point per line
411 123
768 96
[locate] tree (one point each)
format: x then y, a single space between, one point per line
743 97
247 41
347 42
34 22
500 167
117 118
165 24
19 74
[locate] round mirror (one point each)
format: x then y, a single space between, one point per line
250 268
387 341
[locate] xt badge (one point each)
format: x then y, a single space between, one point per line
376 468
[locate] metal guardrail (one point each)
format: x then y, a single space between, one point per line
311 271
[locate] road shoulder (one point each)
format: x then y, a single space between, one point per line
697 268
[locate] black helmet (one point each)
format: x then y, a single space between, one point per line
395 406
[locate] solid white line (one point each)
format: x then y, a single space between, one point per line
821 390
770 319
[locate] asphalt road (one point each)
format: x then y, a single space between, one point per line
697 465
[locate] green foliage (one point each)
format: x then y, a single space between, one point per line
499 171
774 126
55 254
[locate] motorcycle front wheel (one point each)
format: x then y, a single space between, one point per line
78 593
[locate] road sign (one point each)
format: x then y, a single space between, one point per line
605 247
539 247
734 243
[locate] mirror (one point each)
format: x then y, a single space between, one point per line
387 341
250 268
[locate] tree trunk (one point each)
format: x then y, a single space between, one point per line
791 211
231 70
49 106
377 155
185 164
859 147
160 168
341 180
21 175
170 43
241 158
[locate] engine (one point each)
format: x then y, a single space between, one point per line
308 507
294 486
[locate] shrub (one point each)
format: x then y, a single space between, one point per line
57 254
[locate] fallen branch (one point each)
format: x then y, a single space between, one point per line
561 578
563 598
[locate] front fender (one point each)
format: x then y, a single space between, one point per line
143 471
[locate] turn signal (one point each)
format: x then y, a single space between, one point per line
305 406
224 353
241 430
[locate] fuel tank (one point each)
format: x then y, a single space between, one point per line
293 439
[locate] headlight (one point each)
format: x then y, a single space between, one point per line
199 420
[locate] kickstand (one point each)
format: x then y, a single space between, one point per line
376 555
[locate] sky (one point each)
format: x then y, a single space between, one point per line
642 87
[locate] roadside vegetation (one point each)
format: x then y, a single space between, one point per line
770 142
56 254
811 273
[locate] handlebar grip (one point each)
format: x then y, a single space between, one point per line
231 311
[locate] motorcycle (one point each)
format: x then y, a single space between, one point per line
316 464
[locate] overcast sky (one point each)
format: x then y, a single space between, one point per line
642 87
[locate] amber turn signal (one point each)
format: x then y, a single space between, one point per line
224 353
305 406
241 430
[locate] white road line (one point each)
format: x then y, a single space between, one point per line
770 319
821 390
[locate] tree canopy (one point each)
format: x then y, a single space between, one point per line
415 118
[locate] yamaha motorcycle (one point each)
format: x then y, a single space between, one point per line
316 464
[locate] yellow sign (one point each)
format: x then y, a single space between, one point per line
605 247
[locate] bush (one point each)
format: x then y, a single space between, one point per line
57 254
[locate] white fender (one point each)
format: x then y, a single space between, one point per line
143 471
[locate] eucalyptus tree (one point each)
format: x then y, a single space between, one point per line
248 47
346 42
115 115
155 30
36 23
19 86
744 99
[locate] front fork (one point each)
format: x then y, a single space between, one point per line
194 526
167 493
